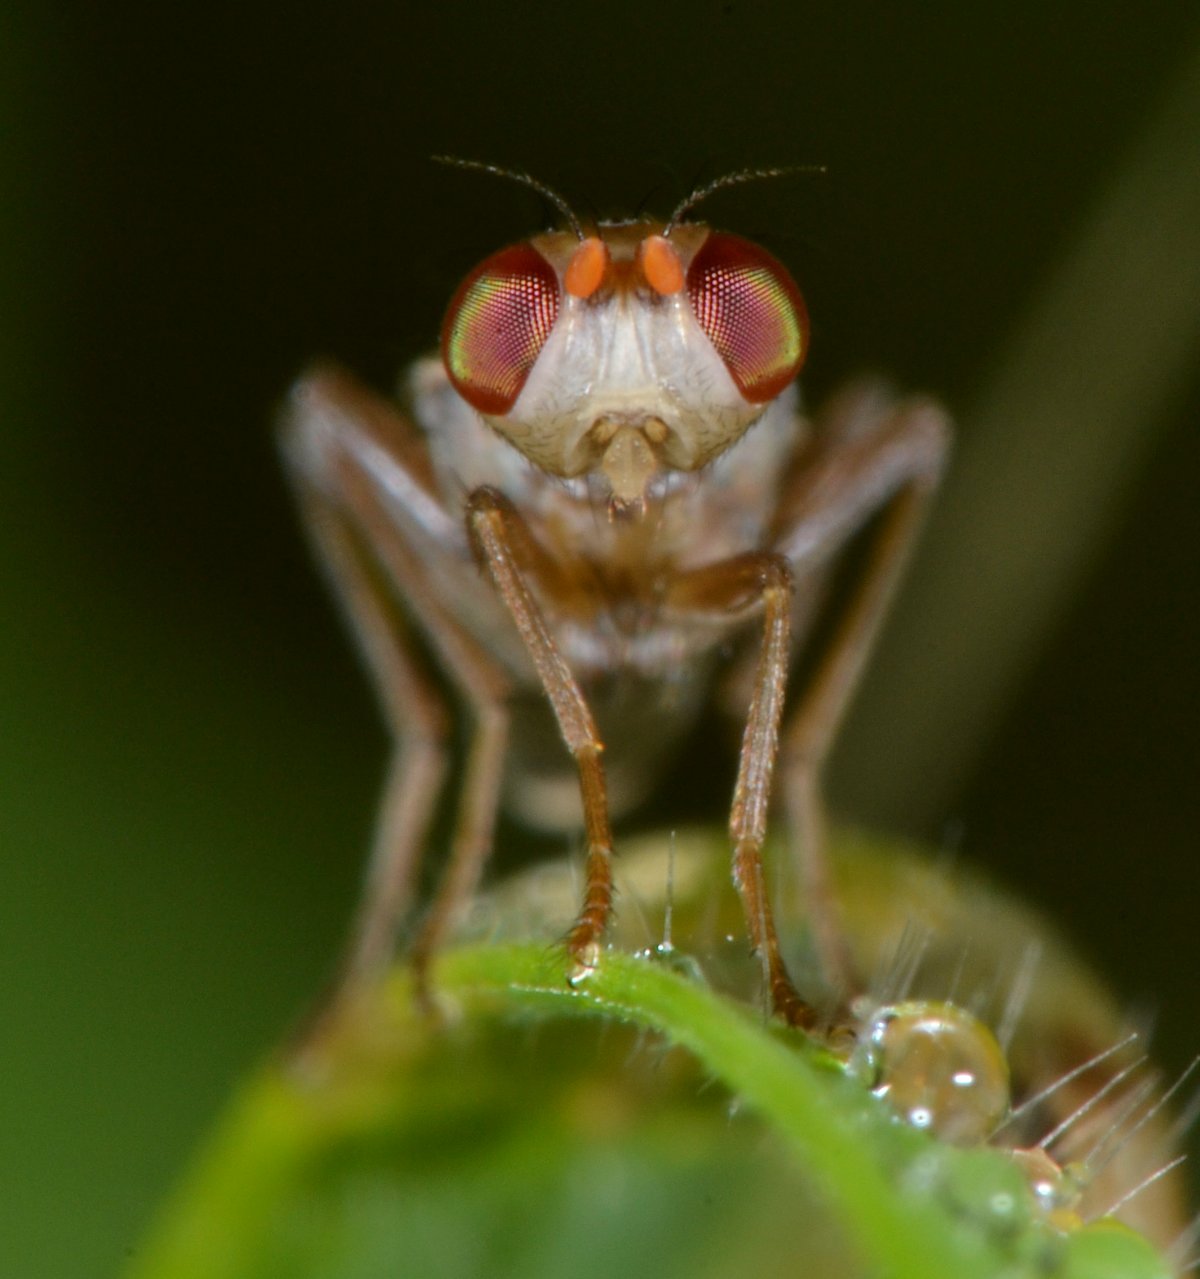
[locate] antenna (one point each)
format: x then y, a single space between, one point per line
735 179
522 179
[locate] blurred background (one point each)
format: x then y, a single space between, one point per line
198 200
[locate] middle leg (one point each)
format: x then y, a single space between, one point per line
877 469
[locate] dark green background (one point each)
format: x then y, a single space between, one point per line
200 199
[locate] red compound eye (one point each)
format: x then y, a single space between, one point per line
752 312
497 324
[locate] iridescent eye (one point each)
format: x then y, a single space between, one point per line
497 324
752 312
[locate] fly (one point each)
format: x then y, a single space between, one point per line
603 483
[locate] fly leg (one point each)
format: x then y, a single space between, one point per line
882 461
417 720
346 448
762 581
505 547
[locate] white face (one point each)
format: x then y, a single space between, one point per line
629 352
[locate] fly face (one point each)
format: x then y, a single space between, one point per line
631 352
637 355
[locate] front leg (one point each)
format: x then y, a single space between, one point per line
509 552
876 459
748 582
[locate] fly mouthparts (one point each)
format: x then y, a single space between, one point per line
629 457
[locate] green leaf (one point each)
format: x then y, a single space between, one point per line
637 1123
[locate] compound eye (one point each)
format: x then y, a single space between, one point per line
752 312
497 324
